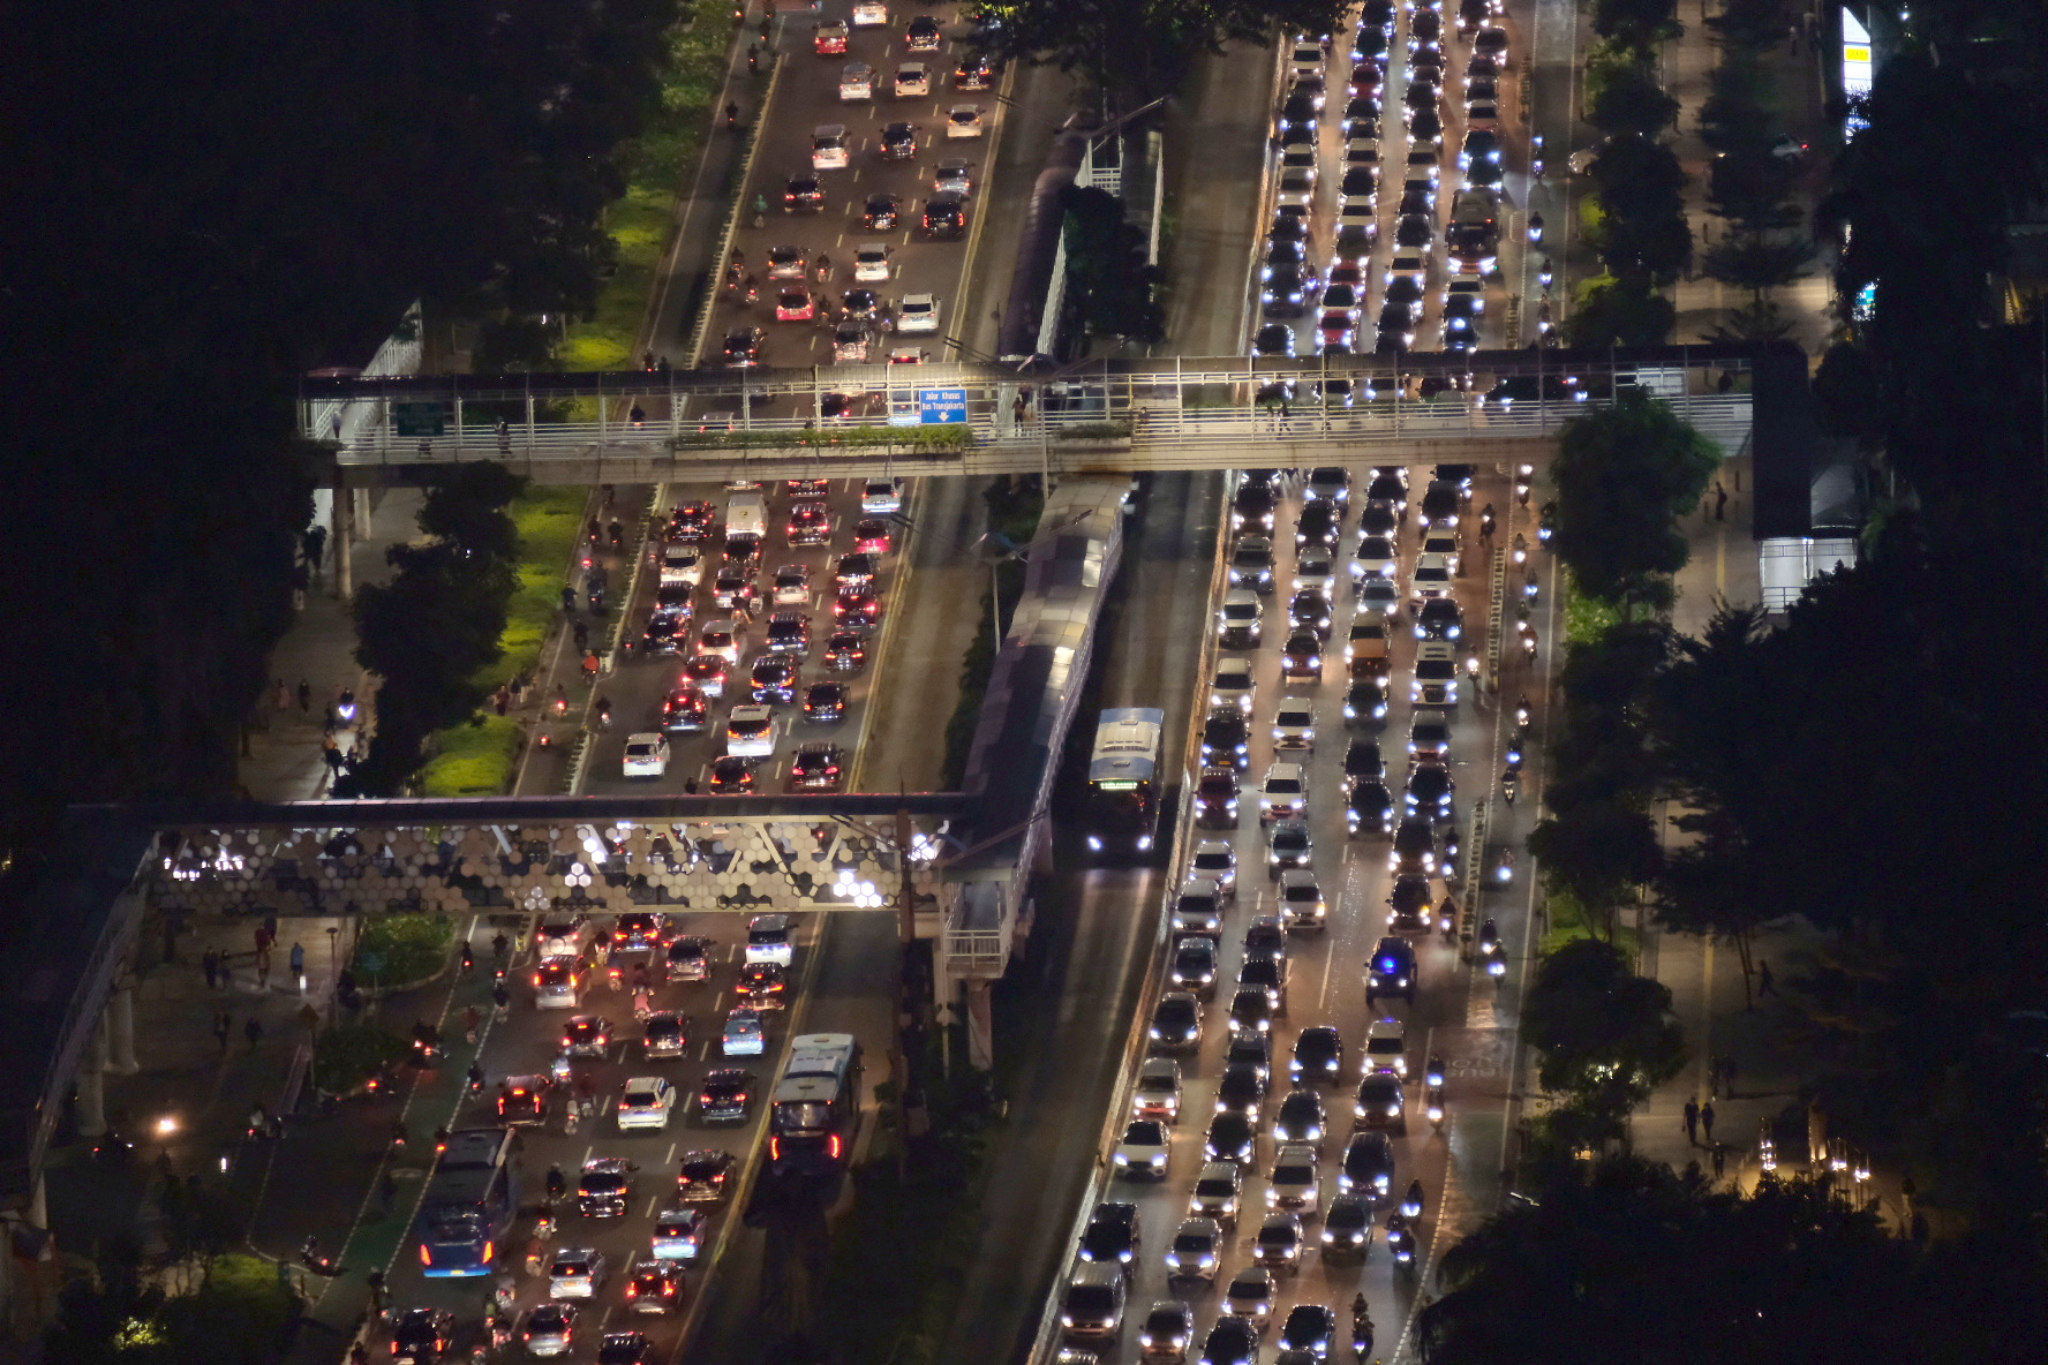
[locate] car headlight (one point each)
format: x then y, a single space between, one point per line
1122 1159
1158 1159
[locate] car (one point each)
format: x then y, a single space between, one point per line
1396 327
1429 737
719 636
1414 849
743 346
1408 904
1198 907
1216 860
803 193
734 775
872 536
829 147
1216 795
1279 1242
856 608
1432 577
557 984
1250 1295
1294 720
750 732
705 1175
1218 1188
1318 1056
1111 1234
762 985
1284 793
420 1335
548 1329
646 755
680 1233
917 313
846 651
1233 684
1251 559
816 766
1300 1119
923 34
1310 610
645 1102
604 1187
1274 339
1231 1341
1440 618
772 681
1365 702
1288 293
745 1034
577 1273
945 216
587 1035
1302 905
976 71
524 1100
1492 45
1092 1307
829 39
1230 1137
1156 1093
1252 1010
1310 1332
1430 791
1194 965
685 708
1166 1330
1367 1168
707 673
1288 844
1240 620
1381 1103
913 80
963 121
656 1286
870 14
1176 1022
664 1034
788 633
1386 1047
1226 739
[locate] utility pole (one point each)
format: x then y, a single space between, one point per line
906 1010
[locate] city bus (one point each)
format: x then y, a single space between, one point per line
815 1112
470 1201
1123 781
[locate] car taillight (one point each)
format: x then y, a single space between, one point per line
426 1256
836 1147
774 1149
490 1248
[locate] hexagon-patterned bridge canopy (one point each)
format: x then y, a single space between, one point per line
331 858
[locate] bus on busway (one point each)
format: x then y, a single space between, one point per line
1123 781
469 1204
815 1112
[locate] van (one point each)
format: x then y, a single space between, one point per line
746 516
856 82
1093 1307
1369 648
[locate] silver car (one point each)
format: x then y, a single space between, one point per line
1196 1250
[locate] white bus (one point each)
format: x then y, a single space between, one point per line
815 1112
1123 781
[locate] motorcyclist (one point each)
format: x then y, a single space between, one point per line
476 1077
558 1184
1510 785
1486 520
732 118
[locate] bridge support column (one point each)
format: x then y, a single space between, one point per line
118 1025
92 1086
344 537
980 1017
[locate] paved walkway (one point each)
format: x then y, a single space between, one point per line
283 758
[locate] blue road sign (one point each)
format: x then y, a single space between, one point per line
939 407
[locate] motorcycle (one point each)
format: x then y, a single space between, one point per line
1361 1327
1530 587
1504 868
476 1080
1411 1203
1523 715
1525 477
1521 549
316 1260
1510 785
1433 1105
604 713
1400 1240
1433 1074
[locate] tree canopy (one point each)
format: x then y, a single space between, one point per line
1623 473
1606 1035
1134 51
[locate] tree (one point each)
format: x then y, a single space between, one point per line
1108 282
1749 260
1624 97
1751 187
1851 398
1734 116
1623 1260
1758 25
1134 51
1643 232
1757 323
1596 853
466 507
1624 474
1620 312
1639 24
1606 1035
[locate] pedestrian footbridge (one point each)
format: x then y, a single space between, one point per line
1102 415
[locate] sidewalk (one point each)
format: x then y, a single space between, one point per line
282 756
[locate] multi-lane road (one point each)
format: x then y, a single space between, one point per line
1457 1014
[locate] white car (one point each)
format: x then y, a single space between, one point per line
1284 794
1233 686
1432 578
646 755
557 984
793 585
646 1103
1294 1184
1375 557
768 940
745 1035
917 313
954 175
880 497
1143 1150
1197 1247
829 151
871 262
1386 1047
1442 540
679 1232
681 565
750 732
576 1273
870 14
913 81
1301 900
1294 725
1216 859
548 1328
963 121
718 636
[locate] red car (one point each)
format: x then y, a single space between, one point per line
810 524
830 40
795 304
871 536
857 607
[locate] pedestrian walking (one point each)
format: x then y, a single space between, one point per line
1764 985
1720 1159
223 1027
331 751
305 696
253 1031
1707 1120
1720 502
502 699
316 546
298 962
582 634
1692 1123
209 962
